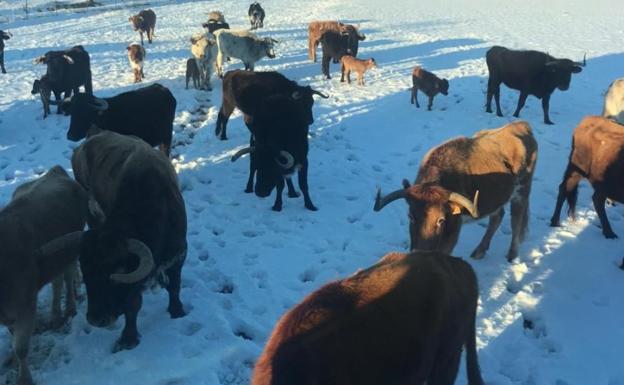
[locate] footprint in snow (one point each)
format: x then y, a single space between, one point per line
191 328
308 275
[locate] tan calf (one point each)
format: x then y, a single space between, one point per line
359 66
136 56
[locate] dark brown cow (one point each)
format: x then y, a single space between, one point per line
335 45
429 84
136 57
494 165
317 28
144 22
192 71
598 155
402 321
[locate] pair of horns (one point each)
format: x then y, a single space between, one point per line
287 162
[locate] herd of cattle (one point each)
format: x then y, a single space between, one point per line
423 304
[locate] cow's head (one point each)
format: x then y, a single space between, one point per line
267 45
442 85
434 214
561 70
5 35
84 110
58 64
351 38
114 270
201 46
36 88
136 21
303 101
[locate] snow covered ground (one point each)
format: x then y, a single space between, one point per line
247 264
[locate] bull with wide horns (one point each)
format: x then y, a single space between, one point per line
493 167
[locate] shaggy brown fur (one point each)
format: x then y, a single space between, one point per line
317 28
136 56
402 321
429 84
349 63
598 155
144 22
497 163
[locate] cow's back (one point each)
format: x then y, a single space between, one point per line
598 148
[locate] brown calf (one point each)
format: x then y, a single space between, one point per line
317 28
136 56
429 84
144 22
598 155
402 321
192 71
349 63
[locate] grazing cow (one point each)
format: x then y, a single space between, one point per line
597 155
141 234
317 28
614 102
136 57
192 71
530 72
216 21
256 15
243 45
40 233
402 321
335 45
243 90
66 71
44 89
349 63
429 84
3 36
204 50
144 22
147 112
494 165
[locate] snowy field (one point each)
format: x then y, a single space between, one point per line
247 264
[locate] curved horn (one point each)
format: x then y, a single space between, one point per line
241 152
290 160
69 243
99 104
381 202
584 63
319 93
146 263
39 60
274 41
461 200
68 59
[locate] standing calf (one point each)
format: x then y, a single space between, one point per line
349 63
144 22
402 321
256 15
598 155
429 84
192 71
44 89
136 57
3 36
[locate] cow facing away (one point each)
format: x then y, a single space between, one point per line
146 112
402 321
530 72
136 57
40 232
429 84
66 72
614 102
597 155
4 35
317 28
256 15
204 50
243 45
192 71
140 236
494 166
144 22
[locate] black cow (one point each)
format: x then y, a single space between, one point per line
144 22
3 36
256 15
140 236
335 45
531 72
67 71
147 112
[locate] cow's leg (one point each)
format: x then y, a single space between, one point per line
599 199
415 96
490 94
521 101
430 103
219 63
70 276
142 74
325 65
494 223
343 70
2 61
349 77
252 167
141 34
472 360
279 187
519 202
222 119
568 189
22 331
546 107
302 177
57 287
445 368
59 99
292 193
175 308
130 335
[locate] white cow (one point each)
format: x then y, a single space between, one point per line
614 102
204 50
243 45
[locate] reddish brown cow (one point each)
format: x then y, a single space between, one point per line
598 155
402 321
349 64
136 57
429 84
144 22
317 28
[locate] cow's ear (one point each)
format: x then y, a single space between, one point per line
576 69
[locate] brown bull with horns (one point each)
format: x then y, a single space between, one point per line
494 166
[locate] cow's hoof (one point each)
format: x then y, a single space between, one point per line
478 253
276 207
511 256
311 207
555 223
549 122
126 343
622 265
293 194
176 311
499 114
249 190
488 110
610 235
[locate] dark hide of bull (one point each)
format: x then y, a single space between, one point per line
335 45
3 36
402 321
146 112
256 15
138 191
531 72
213 26
597 155
67 71
144 22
